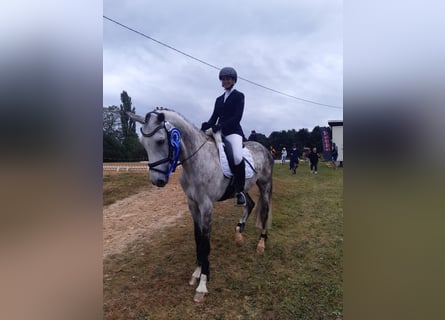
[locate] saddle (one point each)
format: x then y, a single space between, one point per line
226 161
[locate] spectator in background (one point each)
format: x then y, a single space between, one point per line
273 152
313 158
334 156
252 136
306 152
283 155
293 155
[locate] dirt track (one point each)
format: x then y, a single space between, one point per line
140 215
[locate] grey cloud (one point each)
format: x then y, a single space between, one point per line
290 46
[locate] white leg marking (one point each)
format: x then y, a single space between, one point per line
197 272
201 291
195 276
202 284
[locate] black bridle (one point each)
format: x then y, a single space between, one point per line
173 137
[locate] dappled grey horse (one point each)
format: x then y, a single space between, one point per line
169 140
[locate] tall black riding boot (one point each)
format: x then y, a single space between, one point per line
240 179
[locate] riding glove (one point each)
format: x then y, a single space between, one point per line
205 126
216 128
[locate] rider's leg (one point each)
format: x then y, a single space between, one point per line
236 142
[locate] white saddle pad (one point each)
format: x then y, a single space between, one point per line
225 163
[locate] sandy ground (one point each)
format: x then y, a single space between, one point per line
140 215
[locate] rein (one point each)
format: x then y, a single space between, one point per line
202 145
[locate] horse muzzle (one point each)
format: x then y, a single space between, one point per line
159 183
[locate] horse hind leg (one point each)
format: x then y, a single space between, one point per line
261 246
239 239
264 213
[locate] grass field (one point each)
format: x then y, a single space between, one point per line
298 277
118 186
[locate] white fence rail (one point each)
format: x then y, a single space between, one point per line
127 168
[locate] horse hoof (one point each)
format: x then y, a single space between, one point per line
239 240
260 247
193 281
199 297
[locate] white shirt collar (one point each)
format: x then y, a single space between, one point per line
227 93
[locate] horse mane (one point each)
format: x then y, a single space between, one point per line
160 110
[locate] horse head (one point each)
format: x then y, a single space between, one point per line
161 141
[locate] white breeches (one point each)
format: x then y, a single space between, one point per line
237 146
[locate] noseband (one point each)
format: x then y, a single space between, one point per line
174 138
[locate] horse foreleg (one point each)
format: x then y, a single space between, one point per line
202 216
195 276
201 291
202 270
239 239
203 251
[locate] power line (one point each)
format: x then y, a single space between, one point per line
215 67
161 43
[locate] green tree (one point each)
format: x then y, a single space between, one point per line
282 139
290 138
315 139
113 150
111 122
276 139
120 140
261 138
134 151
128 125
302 138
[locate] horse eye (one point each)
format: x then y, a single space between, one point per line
160 142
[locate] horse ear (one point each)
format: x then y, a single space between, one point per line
161 117
136 118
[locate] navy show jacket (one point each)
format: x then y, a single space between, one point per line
229 113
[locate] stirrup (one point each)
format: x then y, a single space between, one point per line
240 199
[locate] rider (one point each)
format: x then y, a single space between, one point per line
226 117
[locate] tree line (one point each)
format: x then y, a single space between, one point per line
303 138
121 142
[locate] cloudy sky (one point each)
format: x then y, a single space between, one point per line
293 46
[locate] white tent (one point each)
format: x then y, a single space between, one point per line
337 137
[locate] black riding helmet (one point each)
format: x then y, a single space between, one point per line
228 72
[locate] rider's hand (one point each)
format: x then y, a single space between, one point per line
216 128
205 126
